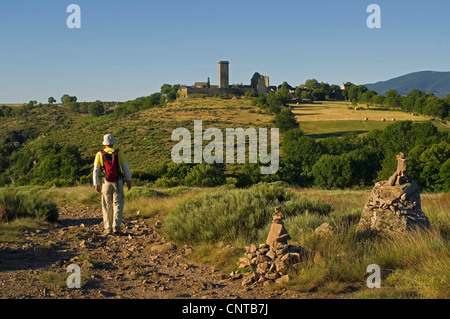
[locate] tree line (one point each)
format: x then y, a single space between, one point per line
416 101
95 108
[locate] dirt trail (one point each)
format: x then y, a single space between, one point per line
138 264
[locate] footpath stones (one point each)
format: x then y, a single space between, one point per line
269 262
394 205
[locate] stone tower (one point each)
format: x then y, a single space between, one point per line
223 74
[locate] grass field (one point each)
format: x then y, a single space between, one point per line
323 119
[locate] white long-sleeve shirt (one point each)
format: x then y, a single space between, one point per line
99 162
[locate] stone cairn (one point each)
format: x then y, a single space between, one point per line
269 262
394 205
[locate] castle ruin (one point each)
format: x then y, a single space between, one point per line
259 84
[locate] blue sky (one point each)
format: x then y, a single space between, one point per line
127 49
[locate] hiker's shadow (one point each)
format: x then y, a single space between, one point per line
12 259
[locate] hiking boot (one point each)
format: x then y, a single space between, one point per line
118 232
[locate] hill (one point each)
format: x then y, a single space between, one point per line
434 82
53 145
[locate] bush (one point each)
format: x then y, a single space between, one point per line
20 204
285 120
142 192
236 215
96 108
332 171
205 175
300 154
74 107
46 162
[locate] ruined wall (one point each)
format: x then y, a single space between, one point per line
185 91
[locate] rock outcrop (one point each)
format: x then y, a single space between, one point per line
270 262
394 205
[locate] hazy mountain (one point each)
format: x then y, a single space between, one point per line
426 81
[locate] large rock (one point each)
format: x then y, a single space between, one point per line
394 205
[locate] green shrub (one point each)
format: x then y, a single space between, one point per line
332 171
285 120
21 204
205 175
142 192
235 215
166 182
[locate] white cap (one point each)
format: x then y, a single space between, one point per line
108 139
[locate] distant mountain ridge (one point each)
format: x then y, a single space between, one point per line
434 82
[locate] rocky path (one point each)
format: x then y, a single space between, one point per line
139 264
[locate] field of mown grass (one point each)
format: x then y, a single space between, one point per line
323 119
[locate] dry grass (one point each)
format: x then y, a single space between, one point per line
237 113
343 111
323 119
158 206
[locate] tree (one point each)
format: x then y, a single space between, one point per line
435 164
301 152
166 88
312 84
326 89
306 95
392 98
273 103
409 101
378 100
319 94
171 96
336 92
96 108
74 107
51 100
419 104
364 164
283 95
66 99
332 171
368 97
286 120
84 107
435 106
356 92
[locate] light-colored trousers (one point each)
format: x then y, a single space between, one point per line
112 204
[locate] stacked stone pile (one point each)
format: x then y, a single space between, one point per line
394 205
270 262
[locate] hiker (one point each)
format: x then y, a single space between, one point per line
111 162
